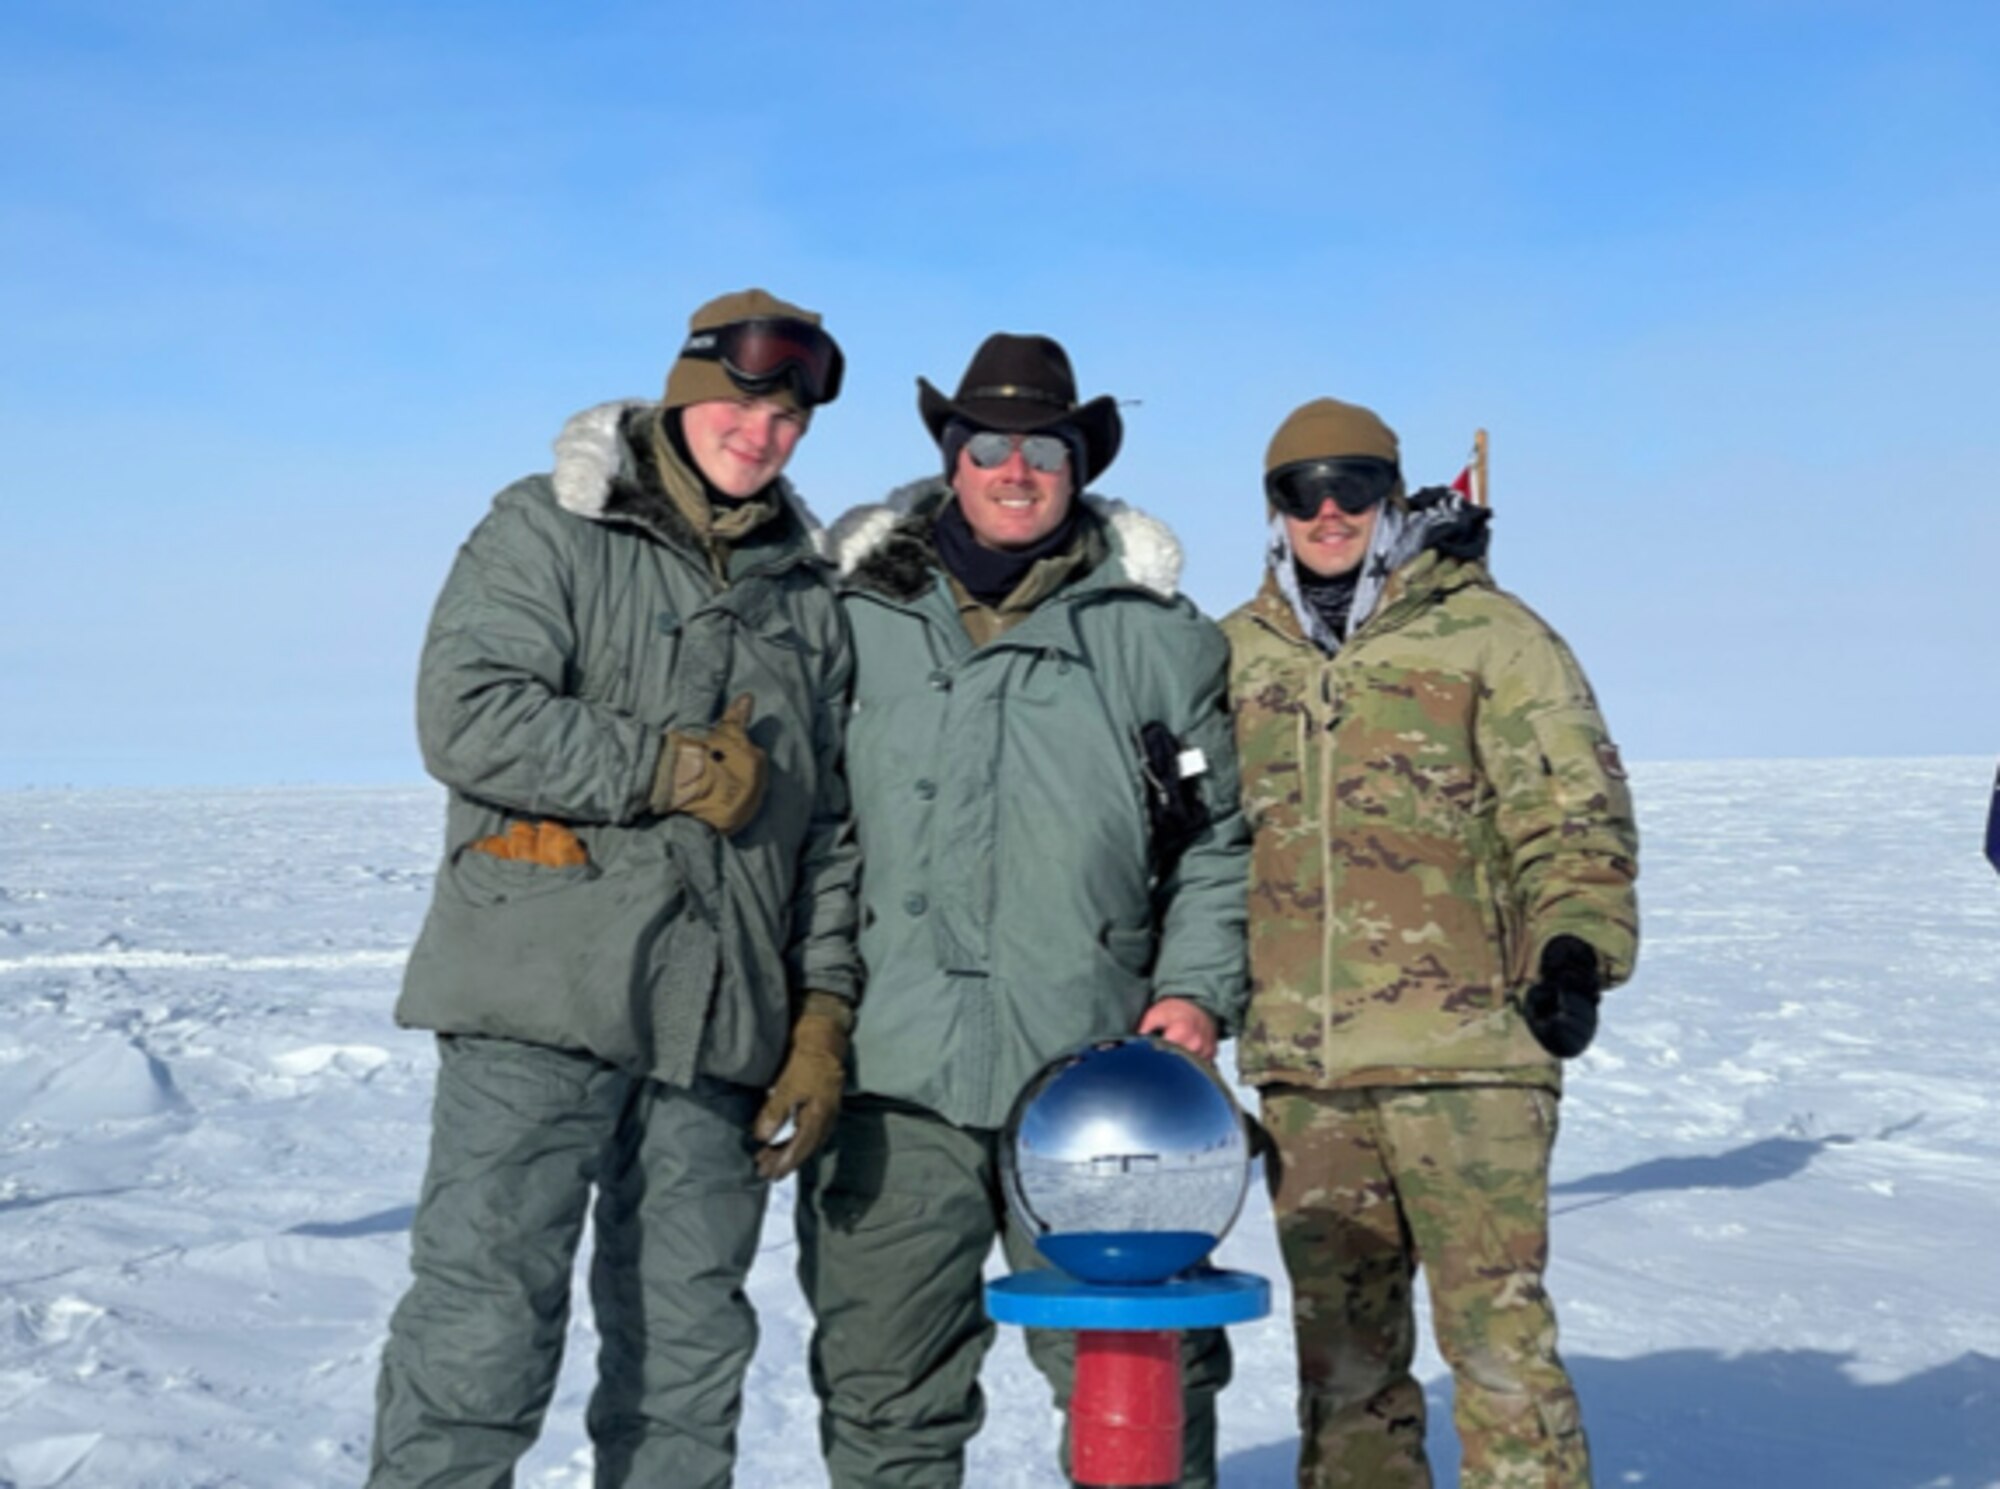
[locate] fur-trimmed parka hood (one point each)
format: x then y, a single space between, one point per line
604 475
888 546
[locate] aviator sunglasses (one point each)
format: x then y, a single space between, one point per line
989 450
761 353
1355 483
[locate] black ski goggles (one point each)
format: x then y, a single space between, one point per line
761 354
1355 483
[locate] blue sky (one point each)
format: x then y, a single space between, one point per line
289 290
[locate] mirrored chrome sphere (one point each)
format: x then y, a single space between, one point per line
1125 1160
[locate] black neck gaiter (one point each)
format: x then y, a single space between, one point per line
1330 599
991 574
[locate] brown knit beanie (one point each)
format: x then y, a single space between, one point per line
1326 428
691 380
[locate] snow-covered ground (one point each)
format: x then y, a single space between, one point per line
1777 1228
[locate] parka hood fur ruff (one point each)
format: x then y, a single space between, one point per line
593 481
887 545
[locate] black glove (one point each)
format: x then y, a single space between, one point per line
1561 1008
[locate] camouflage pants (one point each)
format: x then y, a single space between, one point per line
1368 1185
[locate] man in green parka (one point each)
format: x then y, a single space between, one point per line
639 957
1441 889
1019 648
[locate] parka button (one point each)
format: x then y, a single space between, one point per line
926 789
916 904
941 680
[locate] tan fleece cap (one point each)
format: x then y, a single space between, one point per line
691 380
1326 428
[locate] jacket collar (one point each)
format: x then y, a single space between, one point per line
603 476
887 547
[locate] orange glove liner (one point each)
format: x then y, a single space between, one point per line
549 844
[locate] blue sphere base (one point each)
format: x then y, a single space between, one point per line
1200 1300
1124 1257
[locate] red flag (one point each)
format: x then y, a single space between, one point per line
1470 482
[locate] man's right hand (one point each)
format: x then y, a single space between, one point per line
714 775
1180 1022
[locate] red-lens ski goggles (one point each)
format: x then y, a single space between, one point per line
1354 482
760 354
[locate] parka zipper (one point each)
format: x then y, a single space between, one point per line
1326 937
1316 763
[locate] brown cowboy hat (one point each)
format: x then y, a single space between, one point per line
1020 385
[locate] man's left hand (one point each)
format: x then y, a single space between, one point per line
1561 1008
806 1095
1186 1024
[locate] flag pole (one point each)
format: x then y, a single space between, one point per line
1479 491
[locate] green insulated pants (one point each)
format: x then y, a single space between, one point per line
895 1223
521 1138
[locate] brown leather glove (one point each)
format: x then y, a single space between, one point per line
807 1091
549 844
714 775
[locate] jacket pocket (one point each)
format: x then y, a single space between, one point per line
1502 918
1131 947
548 956
782 634
482 881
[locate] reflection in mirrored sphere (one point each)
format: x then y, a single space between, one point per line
1126 1160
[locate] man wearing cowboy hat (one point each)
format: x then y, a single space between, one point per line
1030 883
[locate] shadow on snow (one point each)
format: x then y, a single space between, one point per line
1781 1419
1765 1162
382 1223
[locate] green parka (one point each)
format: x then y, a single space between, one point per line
1008 909
581 619
1430 805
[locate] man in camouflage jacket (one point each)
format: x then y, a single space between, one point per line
1441 887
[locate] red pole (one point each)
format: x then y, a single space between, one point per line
1125 1413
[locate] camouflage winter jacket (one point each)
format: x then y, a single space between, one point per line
1430 805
